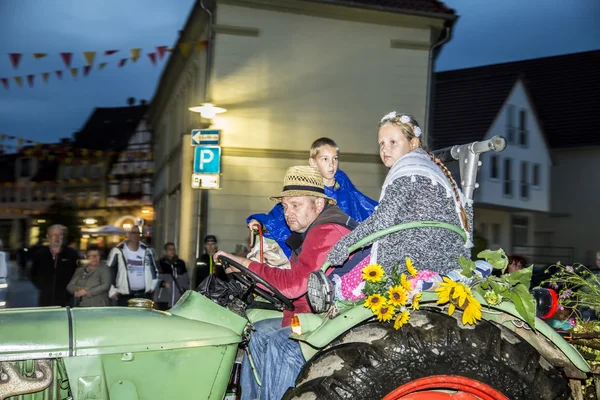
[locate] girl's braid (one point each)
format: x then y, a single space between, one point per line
463 212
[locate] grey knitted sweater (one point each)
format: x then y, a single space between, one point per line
407 199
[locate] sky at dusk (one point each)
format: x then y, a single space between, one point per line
487 32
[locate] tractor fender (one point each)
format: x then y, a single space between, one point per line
544 339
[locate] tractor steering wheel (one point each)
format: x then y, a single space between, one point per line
251 280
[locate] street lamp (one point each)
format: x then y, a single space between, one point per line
207 110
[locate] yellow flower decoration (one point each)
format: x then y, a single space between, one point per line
373 273
401 319
472 312
410 267
405 283
398 296
416 300
461 292
445 290
374 302
385 313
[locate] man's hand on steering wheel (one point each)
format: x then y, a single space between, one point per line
230 268
238 268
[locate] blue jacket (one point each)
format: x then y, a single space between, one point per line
349 199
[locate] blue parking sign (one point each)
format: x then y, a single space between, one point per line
207 160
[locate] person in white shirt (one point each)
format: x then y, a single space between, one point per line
3 262
133 269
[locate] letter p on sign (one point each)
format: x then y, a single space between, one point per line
207 160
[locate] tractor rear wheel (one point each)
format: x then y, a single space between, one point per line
432 357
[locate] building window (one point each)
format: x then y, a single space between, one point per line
524 192
124 189
523 128
114 189
508 183
520 230
496 233
510 123
494 167
536 178
136 186
95 170
67 172
23 194
25 167
3 195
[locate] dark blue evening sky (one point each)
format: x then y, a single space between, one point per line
488 31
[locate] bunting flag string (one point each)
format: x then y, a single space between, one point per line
90 57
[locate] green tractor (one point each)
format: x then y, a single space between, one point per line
189 351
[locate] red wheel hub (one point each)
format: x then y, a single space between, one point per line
466 389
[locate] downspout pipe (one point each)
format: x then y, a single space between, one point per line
433 52
202 195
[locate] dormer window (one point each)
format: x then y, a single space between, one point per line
25 167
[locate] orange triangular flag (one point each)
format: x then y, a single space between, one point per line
73 72
135 54
89 56
199 45
101 65
19 81
45 76
37 56
185 48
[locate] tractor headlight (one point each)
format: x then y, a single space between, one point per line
320 292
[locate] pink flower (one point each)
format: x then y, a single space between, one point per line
425 275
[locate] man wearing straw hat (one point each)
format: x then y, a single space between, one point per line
317 224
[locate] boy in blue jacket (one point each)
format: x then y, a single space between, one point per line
324 155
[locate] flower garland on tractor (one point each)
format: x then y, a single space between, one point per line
393 297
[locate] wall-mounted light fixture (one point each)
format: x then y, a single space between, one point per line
207 110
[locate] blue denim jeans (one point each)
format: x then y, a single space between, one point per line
277 358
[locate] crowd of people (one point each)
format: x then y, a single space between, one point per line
130 270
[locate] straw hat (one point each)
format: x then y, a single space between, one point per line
303 180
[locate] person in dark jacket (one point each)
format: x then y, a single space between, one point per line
173 277
205 264
53 267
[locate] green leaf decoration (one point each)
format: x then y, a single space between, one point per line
468 266
524 303
522 276
497 258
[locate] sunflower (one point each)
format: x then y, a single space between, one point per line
445 290
410 267
405 283
461 292
416 300
374 302
373 273
397 295
385 312
401 319
472 312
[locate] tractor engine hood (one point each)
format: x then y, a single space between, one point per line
53 332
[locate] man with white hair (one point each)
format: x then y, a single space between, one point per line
53 267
